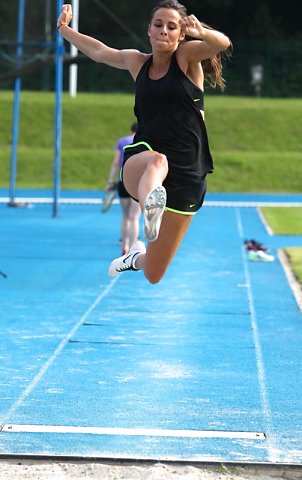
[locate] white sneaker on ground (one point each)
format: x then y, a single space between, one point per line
260 256
126 262
155 204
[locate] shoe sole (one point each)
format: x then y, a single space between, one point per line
155 204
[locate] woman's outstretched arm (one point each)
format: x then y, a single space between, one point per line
93 48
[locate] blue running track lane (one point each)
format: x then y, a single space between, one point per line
205 366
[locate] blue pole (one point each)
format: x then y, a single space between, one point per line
16 111
58 118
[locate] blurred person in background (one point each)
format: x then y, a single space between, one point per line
130 208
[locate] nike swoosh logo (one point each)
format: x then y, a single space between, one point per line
125 259
193 205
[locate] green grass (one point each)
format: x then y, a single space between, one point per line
294 255
91 127
284 220
287 221
256 143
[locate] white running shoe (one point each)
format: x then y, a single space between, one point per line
126 262
155 204
260 256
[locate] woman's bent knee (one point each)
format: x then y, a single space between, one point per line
153 276
153 279
159 161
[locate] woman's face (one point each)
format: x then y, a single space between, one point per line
165 30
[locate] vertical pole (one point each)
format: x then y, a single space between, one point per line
73 69
58 117
48 40
16 111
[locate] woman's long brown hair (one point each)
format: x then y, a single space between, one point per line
212 67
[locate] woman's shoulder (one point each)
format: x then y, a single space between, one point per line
135 60
192 70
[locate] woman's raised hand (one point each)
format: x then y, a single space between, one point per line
192 27
66 15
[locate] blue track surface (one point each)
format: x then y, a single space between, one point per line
190 367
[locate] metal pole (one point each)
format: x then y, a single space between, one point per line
16 111
48 40
58 117
73 69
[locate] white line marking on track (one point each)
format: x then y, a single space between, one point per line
242 203
207 203
57 351
141 432
259 358
264 222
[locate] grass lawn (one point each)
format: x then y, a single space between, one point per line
256 143
294 255
284 220
287 221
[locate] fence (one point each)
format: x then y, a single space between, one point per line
281 63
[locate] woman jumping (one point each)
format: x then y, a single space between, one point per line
165 167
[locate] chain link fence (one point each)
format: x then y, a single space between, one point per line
263 68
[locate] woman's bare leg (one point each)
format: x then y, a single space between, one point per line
134 212
143 176
125 224
143 172
130 222
161 252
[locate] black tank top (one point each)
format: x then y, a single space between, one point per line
169 120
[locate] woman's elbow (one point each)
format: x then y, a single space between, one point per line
226 44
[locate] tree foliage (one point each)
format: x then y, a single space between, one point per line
238 18
262 31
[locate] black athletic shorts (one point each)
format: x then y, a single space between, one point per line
122 192
185 195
